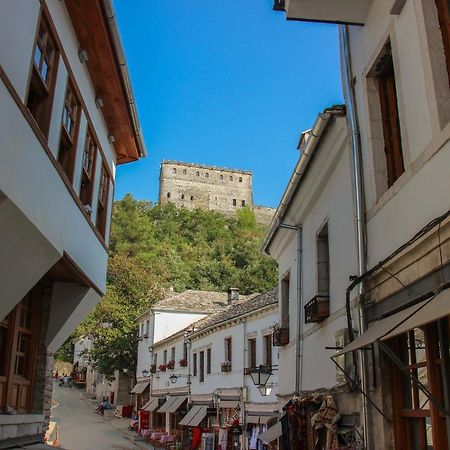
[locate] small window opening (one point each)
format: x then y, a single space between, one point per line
323 262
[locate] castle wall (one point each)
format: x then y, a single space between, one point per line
196 186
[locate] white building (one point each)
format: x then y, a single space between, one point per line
68 118
396 72
209 363
173 313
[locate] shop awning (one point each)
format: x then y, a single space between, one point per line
172 404
152 404
271 434
258 419
147 404
232 404
389 326
190 415
139 388
194 416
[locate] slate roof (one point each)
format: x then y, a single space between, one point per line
194 301
238 308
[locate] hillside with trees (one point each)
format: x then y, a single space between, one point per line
154 248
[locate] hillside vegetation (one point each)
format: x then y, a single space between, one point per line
154 248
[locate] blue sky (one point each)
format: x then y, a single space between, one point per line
226 83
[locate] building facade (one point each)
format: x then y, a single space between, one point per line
211 188
65 127
395 71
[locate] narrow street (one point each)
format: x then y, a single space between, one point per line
80 428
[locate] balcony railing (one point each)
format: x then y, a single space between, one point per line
317 309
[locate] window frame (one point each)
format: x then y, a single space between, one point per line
103 199
201 358
228 342
90 152
194 364
208 360
251 346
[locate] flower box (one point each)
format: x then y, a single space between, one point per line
183 362
280 337
163 367
171 365
225 366
317 309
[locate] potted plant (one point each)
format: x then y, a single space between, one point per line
171 364
183 362
225 366
162 367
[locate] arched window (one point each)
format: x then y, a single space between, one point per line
231 177
206 175
182 196
168 195
198 173
192 197
174 170
221 176
184 172
240 179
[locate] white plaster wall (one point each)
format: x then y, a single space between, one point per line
405 207
169 322
144 356
325 196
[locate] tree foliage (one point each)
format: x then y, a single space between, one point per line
155 247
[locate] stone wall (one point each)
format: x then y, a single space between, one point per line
264 214
206 187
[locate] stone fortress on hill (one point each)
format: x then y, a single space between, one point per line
208 187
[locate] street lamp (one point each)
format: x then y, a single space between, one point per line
173 378
260 375
265 389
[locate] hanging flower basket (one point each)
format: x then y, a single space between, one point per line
163 367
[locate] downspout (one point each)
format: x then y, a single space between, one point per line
299 340
349 94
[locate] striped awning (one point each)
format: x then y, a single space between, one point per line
196 414
229 404
172 404
271 434
139 388
152 405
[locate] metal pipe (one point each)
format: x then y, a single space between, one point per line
299 340
349 94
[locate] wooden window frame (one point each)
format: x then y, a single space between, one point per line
194 364
443 12
41 88
165 357
268 351
208 361
172 354
90 151
285 300
416 416
201 358
69 137
229 350
103 200
323 261
384 75
251 343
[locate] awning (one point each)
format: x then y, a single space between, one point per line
232 404
257 419
194 416
385 327
271 434
147 404
152 405
139 388
172 404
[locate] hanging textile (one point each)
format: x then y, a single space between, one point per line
326 419
223 438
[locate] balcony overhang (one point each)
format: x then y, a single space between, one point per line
352 12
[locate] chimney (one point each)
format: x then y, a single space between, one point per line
233 295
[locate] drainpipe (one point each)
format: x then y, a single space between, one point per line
349 93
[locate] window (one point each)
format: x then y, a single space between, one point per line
268 351
206 175
202 367
89 157
103 199
141 330
251 345
194 364
69 131
198 173
43 77
208 361
228 350
240 179
231 177
168 195
418 424
185 351
147 324
174 170
384 75
184 172
234 202
323 262
285 287
192 197
182 196
221 176
155 359
172 355
243 203
165 357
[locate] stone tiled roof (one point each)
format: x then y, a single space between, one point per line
239 308
194 301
